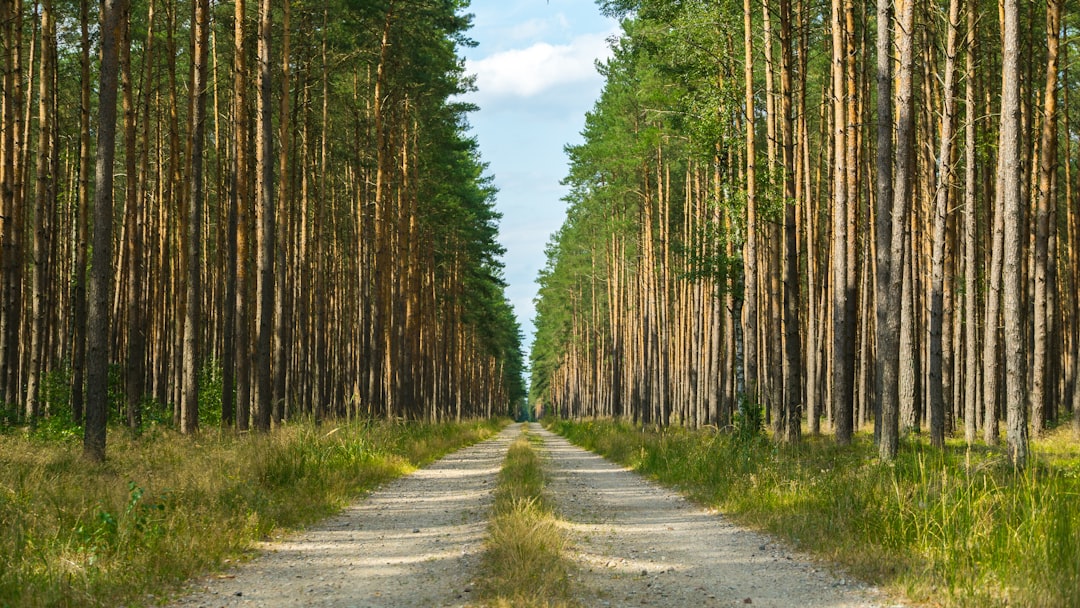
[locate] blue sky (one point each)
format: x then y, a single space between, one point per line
536 79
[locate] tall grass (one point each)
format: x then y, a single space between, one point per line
955 526
165 507
524 565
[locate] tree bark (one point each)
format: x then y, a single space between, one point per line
264 231
1044 286
971 324
750 255
189 405
1010 178
843 360
792 367
242 209
43 193
97 342
892 202
940 219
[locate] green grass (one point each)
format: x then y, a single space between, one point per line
524 563
165 507
956 527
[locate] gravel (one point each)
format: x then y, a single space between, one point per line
638 544
413 543
417 541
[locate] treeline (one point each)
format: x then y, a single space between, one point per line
832 212
302 225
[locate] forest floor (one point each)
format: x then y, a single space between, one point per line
417 542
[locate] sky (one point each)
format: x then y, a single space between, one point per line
536 78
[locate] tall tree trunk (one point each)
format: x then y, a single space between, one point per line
971 324
282 325
42 194
1044 287
136 339
792 368
78 289
242 209
940 219
1009 179
11 311
189 405
843 360
97 339
264 220
893 198
750 255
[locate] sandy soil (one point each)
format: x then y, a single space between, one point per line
417 541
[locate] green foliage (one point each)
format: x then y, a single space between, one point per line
73 534
749 419
210 391
670 104
139 525
954 526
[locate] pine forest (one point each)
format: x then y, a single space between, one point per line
241 213
807 303
828 215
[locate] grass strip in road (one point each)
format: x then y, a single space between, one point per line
524 564
953 527
165 507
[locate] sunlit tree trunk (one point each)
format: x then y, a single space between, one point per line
750 255
1044 285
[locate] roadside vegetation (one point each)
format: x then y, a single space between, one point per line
165 507
524 563
952 526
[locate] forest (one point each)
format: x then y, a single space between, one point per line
244 213
827 215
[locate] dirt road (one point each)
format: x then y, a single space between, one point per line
417 541
642 545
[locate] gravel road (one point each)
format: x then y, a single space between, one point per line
417 541
638 544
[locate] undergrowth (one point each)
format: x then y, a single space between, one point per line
956 526
165 507
524 564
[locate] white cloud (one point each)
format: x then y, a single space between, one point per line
533 70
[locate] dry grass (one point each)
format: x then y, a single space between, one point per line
165 507
955 527
524 562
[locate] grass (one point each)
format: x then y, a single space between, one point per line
524 564
955 527
165 507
